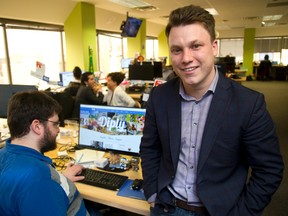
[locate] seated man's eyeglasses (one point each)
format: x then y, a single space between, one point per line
55 123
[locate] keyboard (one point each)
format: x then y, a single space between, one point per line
103 179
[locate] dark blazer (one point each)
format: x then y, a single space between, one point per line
239 133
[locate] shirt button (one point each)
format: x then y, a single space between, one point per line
194 124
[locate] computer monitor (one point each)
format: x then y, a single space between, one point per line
141 72
125 62
66 78
145 71
7 90
111 129
157 69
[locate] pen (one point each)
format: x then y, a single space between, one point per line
80 158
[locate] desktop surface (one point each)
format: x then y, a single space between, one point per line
110 197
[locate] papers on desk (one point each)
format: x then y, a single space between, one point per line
90 158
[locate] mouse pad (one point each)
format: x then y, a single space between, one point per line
126 191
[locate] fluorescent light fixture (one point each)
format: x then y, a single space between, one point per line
212 11
270 23
272 17
131 3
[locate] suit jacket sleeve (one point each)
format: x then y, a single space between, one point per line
239 137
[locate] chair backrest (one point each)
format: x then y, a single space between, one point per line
67 103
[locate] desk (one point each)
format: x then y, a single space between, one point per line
109 197
135 96
242 79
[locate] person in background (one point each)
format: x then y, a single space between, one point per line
204 133
73 86
88 93
167 73
116 95
30 185
264 69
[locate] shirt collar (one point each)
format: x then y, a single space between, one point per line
23 150
211 87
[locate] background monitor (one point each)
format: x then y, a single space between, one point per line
7 90
145 71
108 128
66 78
131 27
157 69
125 62
226 63
141 72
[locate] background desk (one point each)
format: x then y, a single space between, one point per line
135 96
109 197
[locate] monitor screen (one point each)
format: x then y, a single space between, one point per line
7 91
108 128
131 27
66 78
157 69
141 72
125 62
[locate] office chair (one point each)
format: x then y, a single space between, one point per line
67 103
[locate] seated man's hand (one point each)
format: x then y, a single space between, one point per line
73 172
97 88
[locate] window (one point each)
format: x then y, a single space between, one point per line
151 49
271 46
110 47
232 47
33 46
3 61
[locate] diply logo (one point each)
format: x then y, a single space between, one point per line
109 123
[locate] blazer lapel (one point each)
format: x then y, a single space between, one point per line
219 103
174 124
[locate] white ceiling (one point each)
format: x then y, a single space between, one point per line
233 14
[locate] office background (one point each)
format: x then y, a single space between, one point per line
36 30
47 32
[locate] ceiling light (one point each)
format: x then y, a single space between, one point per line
212 11
146 8
272 17
262 24
131 3
270 24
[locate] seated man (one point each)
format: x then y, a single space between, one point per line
30 185
88 93
264 69
73 86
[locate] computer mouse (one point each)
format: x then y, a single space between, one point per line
137 184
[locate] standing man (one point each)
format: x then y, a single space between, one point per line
29 183
203 132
